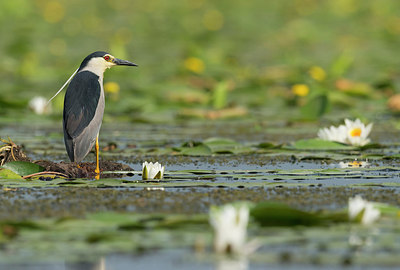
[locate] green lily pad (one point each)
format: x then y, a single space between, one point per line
268 145
278 214
225 146
23 168
318 144
372 146
8 174
217 141
200 150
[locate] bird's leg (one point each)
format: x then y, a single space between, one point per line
97 171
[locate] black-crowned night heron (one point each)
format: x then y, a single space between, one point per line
84 106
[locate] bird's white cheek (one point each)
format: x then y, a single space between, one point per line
109 64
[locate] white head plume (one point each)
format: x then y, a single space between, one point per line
62 87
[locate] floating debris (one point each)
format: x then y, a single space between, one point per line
10 151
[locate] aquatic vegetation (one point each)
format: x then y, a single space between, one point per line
152 170
363 210
9 151
353 133
212 61
230 227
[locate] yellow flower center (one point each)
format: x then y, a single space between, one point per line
355 163
355 132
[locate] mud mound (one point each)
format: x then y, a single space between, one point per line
84 169
10 151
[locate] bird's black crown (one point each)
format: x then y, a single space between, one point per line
90 56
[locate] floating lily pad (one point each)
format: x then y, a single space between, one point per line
278 214
8 174
268 145
225 146
372 146
200 150
23 167
318 144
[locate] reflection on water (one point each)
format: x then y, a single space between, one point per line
99 265
232 264
363 239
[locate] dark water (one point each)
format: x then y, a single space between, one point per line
178 259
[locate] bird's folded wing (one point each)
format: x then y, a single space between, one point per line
81 102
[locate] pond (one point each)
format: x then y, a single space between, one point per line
113 223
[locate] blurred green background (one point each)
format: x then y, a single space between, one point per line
207 59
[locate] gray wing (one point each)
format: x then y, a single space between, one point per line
80 104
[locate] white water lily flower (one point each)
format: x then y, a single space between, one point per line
356 205
359 206
357 132
353 133
39 105
230 228
152 170
371 214
336 134
354 164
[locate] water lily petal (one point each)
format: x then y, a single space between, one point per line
230 225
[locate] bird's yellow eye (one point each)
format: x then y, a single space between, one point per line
107 58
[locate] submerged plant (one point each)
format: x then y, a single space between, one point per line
152 170
363 210
352 133
230 228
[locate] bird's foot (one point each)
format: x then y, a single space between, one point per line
97 171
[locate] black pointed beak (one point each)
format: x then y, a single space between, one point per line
121 62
